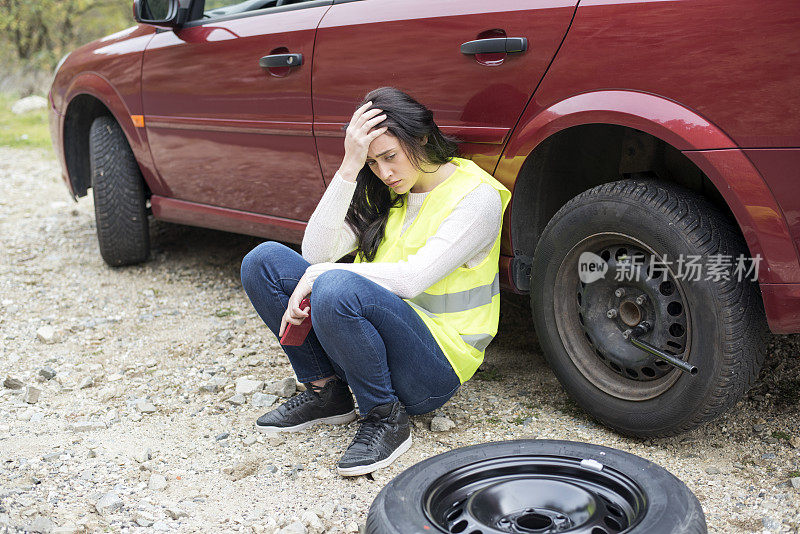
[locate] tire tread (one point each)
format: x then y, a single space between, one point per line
119 196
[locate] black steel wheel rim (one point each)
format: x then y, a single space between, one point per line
534 494
595 341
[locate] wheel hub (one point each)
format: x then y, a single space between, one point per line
630 313
531 505
609 308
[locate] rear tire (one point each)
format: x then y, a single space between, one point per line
119 196
718 326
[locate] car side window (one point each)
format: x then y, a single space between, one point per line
226 8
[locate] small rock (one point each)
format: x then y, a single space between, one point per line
249 440
312 522
795 482
224 435
768 456
41 524
86 382
758 428
32 395
28 104
263 400
108 504
282 388
224 336
47 373
142 455
713 470
52 457
247 386
143 519
238 399
145 406
161 526
293 528
46 334
157 482
86 426
441 423
351 527
214 385
175 513
13 383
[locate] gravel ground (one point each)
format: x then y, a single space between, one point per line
138 426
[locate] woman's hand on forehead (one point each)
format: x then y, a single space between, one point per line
361 131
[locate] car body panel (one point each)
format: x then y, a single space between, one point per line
226 132
478 98
733 62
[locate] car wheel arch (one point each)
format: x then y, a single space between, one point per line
90 96
539 191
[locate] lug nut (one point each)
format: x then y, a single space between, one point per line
641 299
611 313
620 292
626 334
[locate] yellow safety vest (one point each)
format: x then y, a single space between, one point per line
462 310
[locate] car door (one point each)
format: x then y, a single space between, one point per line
416 46
227 129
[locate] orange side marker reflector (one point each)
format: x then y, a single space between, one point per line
138 120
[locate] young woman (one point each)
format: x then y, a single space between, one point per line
408 322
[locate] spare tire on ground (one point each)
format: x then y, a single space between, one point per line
535 486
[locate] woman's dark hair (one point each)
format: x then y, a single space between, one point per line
410 122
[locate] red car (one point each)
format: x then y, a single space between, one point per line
651 147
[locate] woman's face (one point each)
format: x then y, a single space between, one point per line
389 162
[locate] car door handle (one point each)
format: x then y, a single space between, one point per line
281 60
495 45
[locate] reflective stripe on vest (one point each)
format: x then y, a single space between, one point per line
459 301
476 341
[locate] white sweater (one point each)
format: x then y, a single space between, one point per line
465 237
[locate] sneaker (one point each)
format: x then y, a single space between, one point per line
331 404
383 436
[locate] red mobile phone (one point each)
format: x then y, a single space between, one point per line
296 334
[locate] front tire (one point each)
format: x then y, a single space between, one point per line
119 196
716 325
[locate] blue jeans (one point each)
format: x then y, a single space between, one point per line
362 332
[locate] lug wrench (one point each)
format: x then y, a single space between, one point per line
641 329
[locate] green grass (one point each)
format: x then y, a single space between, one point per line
29 130
225 312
